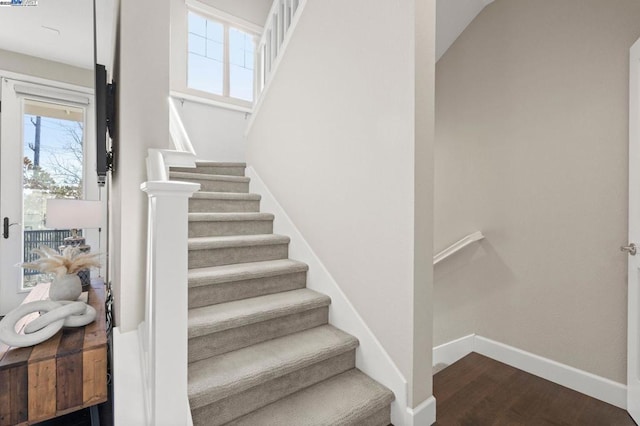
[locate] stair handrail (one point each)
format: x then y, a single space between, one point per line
457 246
179 135
163 333
183 154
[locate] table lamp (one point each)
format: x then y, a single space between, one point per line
74 215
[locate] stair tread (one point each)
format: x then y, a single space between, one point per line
230 217
200 243
210 195
218 377
343 399
223 316
244 271
208 163
206 176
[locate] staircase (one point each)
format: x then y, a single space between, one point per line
261 351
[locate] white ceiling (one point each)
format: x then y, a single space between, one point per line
62 30
58 30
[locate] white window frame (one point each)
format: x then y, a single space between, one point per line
227 21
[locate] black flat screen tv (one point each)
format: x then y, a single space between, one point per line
101 124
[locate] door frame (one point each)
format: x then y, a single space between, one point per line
91 190
633 312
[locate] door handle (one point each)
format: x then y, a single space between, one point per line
5 227
631 249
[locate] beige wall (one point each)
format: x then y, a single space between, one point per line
531 148
334 141
37 67
143 122
216 133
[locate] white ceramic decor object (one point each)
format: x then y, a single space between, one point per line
66 287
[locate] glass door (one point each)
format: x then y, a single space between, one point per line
53 158
42 156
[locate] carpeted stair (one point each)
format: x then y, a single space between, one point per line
261 351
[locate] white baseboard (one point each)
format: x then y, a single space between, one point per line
371 357
423 415
584 382
128 387
448 353
579 380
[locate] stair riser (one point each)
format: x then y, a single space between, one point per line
201 205
237 290
240 337
233 255
212 170
227 228
218 185
234 406
379 418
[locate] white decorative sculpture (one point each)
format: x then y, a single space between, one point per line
63 310
57 315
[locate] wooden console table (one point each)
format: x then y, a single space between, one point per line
63 374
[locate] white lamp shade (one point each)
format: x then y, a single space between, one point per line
73 214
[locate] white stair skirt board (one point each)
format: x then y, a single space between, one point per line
371 358
581 381
129 403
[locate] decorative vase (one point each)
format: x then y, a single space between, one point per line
65 287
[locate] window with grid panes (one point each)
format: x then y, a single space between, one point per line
220 58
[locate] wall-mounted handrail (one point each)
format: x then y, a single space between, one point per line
457 246
159 160
179 135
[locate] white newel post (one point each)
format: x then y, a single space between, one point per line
164 333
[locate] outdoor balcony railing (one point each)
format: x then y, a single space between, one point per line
53 238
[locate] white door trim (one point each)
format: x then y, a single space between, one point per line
633 329
24 78
11 293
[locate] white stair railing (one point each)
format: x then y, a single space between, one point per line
278 30
457 246
163 334
281 21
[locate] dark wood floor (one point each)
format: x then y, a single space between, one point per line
478 391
